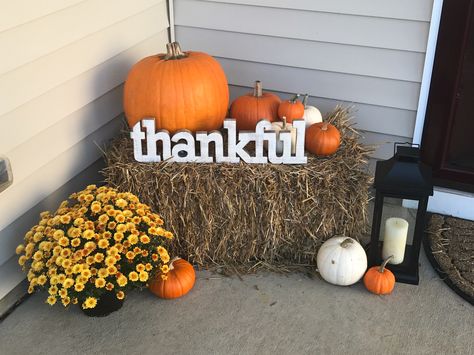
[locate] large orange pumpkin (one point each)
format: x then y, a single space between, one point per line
291 109
180 90
252 107
180 280
322 139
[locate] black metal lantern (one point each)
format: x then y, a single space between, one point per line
401 177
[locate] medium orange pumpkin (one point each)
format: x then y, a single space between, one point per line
322 139
180 281
379 280
180 90
252 107
291 109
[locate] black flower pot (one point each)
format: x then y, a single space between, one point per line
106 304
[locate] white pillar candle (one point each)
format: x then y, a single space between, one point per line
395 238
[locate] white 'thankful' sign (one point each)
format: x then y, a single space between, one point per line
184 147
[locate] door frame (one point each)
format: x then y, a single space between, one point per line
445 201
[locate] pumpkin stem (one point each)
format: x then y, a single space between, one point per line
173 51
346 242
284 122
305 100
295 98
172 261
324 127
258 90
382 267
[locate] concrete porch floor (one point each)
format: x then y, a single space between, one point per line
262 314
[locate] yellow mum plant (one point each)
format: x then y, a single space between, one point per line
98 241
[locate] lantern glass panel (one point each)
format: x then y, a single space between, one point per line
396 236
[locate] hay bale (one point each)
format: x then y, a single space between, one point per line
243 216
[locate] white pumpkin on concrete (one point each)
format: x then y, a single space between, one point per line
341 261
311 114
279 126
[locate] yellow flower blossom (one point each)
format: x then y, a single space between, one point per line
110 260
145 239
165 258
90 245
120 295
75 242
122 228
90 260
65 301
148 267
66 252
154 257
133 276
63 241
74 300
53 290
103 272
103 218
22 260
168 235
61 278
122 280
140 267
112 270
103 243
59 260
66 263
86 273
90 302
121 203
51 300
164 277
19 249
143 276
65 219
76 269
99 257
133 239
37 237
127 213
68 283
42 279
100 282
161 250
109 286
120 218
88 234
79 287
96 207
165 269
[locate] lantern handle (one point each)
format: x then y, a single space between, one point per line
396 144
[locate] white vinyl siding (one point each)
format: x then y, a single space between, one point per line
367 53
61 86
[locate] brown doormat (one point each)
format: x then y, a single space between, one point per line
449 246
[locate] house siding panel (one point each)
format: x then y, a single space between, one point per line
61 90
369 54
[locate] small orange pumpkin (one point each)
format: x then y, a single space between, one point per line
252 107
322 139
291 109
180 280
379 280
181 90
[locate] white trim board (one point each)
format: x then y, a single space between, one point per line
449 202
427 70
